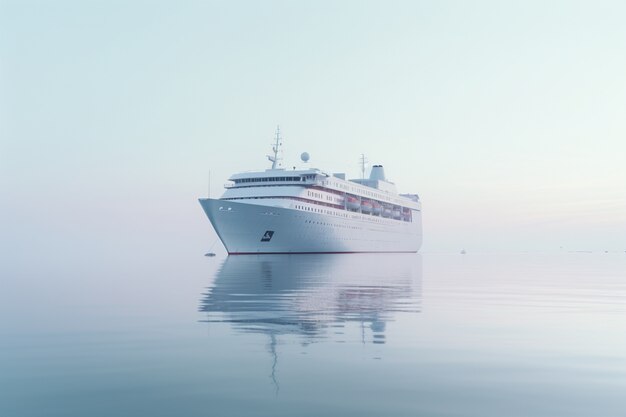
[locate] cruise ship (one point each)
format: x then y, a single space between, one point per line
308 210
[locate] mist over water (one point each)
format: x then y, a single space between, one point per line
363 335
507 118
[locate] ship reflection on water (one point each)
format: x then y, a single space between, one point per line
316 298
314 295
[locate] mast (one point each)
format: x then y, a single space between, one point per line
275 147
363 161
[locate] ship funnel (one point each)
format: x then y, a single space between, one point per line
378 173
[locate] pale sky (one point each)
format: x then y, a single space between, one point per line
507 118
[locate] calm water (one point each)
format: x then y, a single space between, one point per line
350 335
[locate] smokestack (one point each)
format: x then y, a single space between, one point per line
378 173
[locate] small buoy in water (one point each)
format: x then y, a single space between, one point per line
463 252
209 254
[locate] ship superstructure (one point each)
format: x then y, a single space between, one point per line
311 211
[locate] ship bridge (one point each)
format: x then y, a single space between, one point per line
274 177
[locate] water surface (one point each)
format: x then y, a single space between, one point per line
284 335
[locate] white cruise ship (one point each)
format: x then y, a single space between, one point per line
310 211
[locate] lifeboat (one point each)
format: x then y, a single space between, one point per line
386 211
396 213
376 208
366 206
352 203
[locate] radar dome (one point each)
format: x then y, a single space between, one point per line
305 157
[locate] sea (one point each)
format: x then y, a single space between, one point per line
428 334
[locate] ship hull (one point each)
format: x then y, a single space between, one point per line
246 228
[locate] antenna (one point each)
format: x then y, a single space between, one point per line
275 147
363 160
209 191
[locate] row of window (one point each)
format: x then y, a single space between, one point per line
332 196
407 217
268 179
362 189
345 226
322 211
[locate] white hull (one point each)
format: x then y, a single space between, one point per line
243 229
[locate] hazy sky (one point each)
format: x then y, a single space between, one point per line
508 118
